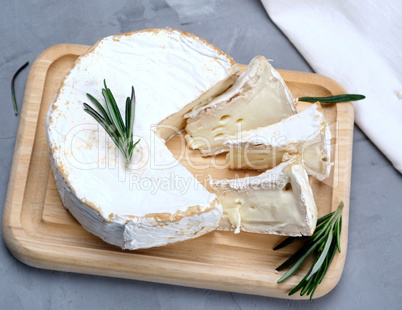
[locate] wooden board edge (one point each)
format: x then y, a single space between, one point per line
167 273
344 193
12 230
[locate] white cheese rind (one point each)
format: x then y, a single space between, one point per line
259 97
137 233
156 201
306 133
279 201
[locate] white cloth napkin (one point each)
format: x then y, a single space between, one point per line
358 44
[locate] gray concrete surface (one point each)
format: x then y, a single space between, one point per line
372 274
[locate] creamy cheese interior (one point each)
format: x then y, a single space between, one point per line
258 159
175 122
262 159
278 201
258 98
305 133
316 159
256 210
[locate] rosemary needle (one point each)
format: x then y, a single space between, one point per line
13 87
333 99
111 120
325 242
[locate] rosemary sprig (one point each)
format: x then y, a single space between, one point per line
333 99
110 119
325 241
13 87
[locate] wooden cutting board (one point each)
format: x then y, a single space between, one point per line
40 232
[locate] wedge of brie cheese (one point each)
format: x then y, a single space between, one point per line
259 97
279 201
155 201
306 133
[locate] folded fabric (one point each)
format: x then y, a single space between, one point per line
358 44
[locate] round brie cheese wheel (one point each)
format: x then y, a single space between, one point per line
155 200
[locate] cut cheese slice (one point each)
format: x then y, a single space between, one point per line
306 133
156 201
259 97
279 201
